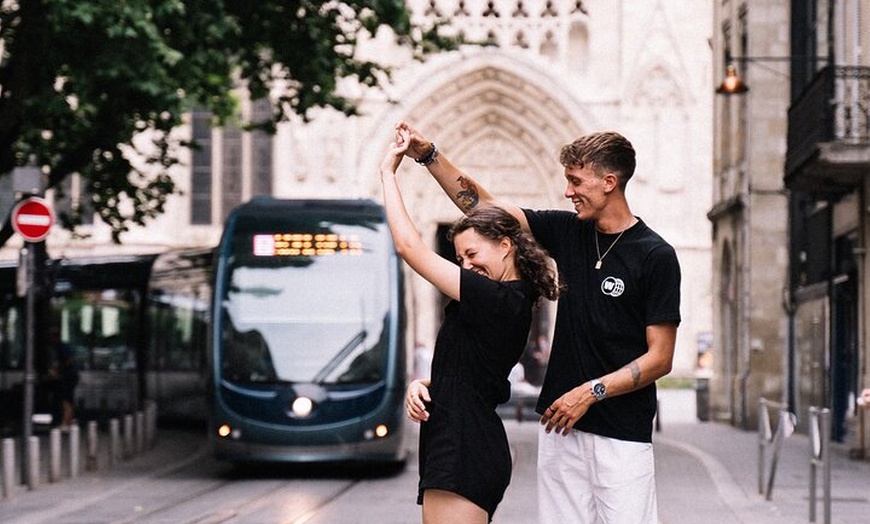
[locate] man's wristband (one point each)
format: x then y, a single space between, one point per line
429 157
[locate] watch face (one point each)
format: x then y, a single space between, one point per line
598 390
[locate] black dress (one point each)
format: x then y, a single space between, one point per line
463 445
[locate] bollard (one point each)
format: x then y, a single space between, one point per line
8 467
54 455
767 437
32 463
75 450
140 431
91 463
114 442
151 424
820 445
128 436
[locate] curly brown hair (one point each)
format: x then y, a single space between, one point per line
532 262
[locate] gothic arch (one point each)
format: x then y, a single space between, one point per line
499 117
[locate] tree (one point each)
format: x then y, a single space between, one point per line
79 79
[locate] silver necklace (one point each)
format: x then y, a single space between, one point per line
598 250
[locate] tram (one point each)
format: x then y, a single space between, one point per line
308 335
137 325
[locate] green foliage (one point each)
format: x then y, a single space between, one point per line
80 79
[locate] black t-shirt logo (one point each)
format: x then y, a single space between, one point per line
612 286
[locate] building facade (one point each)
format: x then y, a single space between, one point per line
791 164
827 170
748 215
559 70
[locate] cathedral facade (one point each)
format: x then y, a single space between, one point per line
501 112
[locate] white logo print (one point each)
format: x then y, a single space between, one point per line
612 286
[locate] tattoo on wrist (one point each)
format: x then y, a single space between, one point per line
468 197
634 368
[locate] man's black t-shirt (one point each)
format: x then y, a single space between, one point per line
603 313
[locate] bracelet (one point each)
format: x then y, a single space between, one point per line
429 157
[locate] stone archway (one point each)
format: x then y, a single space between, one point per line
502 122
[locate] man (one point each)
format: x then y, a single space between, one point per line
615 332
65 371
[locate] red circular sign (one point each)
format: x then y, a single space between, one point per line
32 219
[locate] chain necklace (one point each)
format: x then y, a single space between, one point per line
598 250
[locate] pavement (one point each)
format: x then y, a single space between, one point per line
718 464
706 472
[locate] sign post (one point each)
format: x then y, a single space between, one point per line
32 219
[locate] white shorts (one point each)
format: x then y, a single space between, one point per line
589 479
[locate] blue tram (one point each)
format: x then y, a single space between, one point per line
308 335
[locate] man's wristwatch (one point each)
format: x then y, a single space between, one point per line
598 390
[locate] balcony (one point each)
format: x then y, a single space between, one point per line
829 132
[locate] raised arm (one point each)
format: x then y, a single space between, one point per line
436 269
463 190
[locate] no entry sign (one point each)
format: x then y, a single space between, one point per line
32 219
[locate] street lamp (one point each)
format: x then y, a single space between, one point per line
732 84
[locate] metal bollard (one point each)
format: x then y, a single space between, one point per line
114 442
150 424
8 467
766 437
820 440
128 436
91 463
75 450
54 455
140 432
33 463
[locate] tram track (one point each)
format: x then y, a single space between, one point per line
214 495
246 508
181 483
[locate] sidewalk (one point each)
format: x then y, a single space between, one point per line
728 458
173 450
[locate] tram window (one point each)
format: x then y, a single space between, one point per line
101 327
178 330
307 318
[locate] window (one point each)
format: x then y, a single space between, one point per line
200 183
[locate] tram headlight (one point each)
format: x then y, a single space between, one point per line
224 431
380 431
302 407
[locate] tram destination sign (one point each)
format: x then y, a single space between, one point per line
32 219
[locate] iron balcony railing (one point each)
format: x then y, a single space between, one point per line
835 107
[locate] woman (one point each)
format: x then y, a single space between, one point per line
465 463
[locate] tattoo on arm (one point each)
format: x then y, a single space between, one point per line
467 197
634 369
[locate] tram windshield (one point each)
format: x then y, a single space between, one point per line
306 304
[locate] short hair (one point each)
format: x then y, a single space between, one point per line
603 152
